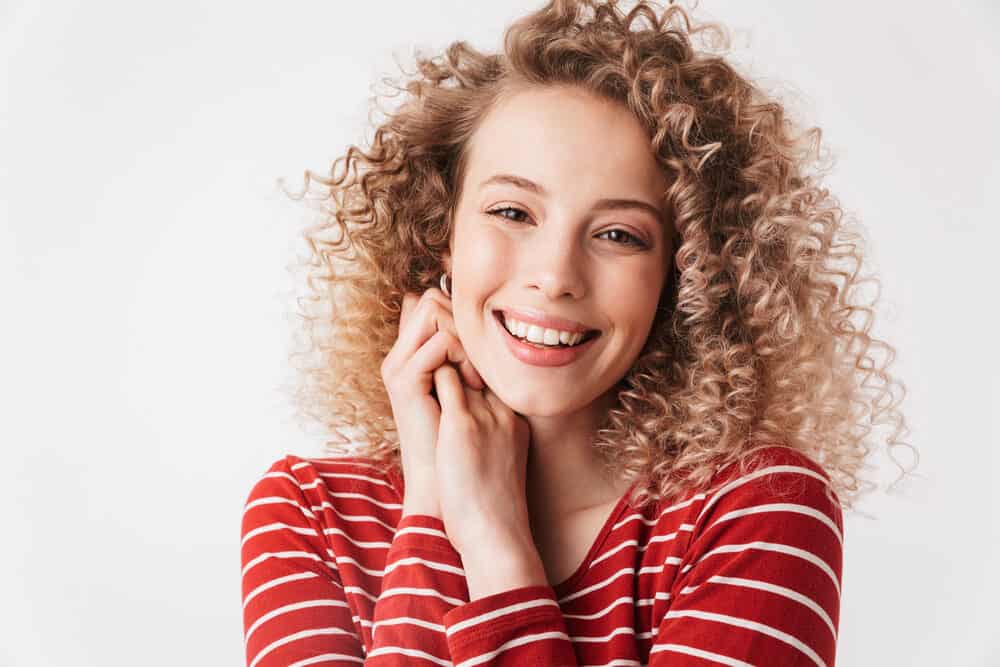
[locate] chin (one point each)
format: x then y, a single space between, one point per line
536 403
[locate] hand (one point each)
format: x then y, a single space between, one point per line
482 455
427 340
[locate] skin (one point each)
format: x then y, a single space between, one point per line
517 456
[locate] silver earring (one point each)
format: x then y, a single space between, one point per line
445 287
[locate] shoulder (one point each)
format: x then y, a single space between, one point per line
776 473
328 481
776 493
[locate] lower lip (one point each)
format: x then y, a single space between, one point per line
558 356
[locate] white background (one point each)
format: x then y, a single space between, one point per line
143 253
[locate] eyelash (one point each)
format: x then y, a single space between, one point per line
636 242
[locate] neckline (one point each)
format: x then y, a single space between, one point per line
566 586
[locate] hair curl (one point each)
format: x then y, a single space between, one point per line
758 339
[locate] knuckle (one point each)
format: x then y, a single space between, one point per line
467 426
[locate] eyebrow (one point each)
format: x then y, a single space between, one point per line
616 204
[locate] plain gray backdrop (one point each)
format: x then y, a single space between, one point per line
143 253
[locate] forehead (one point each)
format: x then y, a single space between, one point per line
569 140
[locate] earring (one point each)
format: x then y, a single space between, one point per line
446 285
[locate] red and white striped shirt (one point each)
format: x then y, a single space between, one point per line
746 573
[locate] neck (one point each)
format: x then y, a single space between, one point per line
565 473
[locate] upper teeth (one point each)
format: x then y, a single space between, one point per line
537 334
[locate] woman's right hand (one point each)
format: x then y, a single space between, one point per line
427 339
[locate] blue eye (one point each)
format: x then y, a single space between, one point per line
632 241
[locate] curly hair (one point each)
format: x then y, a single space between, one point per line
759 338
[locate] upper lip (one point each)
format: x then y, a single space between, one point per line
545 320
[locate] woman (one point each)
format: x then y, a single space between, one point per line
586 320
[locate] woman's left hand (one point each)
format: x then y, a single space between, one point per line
482 455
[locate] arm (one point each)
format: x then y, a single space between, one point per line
760 582
296 595
759 585
422 581
294 603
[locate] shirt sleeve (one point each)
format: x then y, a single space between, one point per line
422 581
760 582
521 626
295 610
295 602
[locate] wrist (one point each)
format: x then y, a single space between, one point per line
491 571
420 501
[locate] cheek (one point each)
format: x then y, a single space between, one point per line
630 299
480 254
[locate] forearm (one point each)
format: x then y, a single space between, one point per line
499 566
421 498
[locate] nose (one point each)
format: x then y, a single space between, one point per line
555 265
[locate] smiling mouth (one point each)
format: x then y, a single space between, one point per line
590 335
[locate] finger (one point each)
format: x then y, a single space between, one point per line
410 300
446 320
420 324
418 371
450 392
493 402
433 313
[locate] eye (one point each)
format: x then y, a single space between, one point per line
497 211
632 240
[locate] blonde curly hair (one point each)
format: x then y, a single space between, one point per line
757 340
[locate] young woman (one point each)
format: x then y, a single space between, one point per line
588 345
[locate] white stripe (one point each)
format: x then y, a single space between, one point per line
343 475
729 486
357 590
361 496
286 554
270 500
707 655
658 538
425 592
363 545
348 559
663 512
420 530
287 639
277 582
411 652
600 584
655 569
518 641
645 602
316 483
780 548
339 461
326 657
271 527
607 637
773 588
598 614
356 518
749 625
408 620
615 550
783 507
496 613
432 564
279 475
290 607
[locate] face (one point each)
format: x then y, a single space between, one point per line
560 240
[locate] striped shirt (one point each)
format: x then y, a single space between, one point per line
747 572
